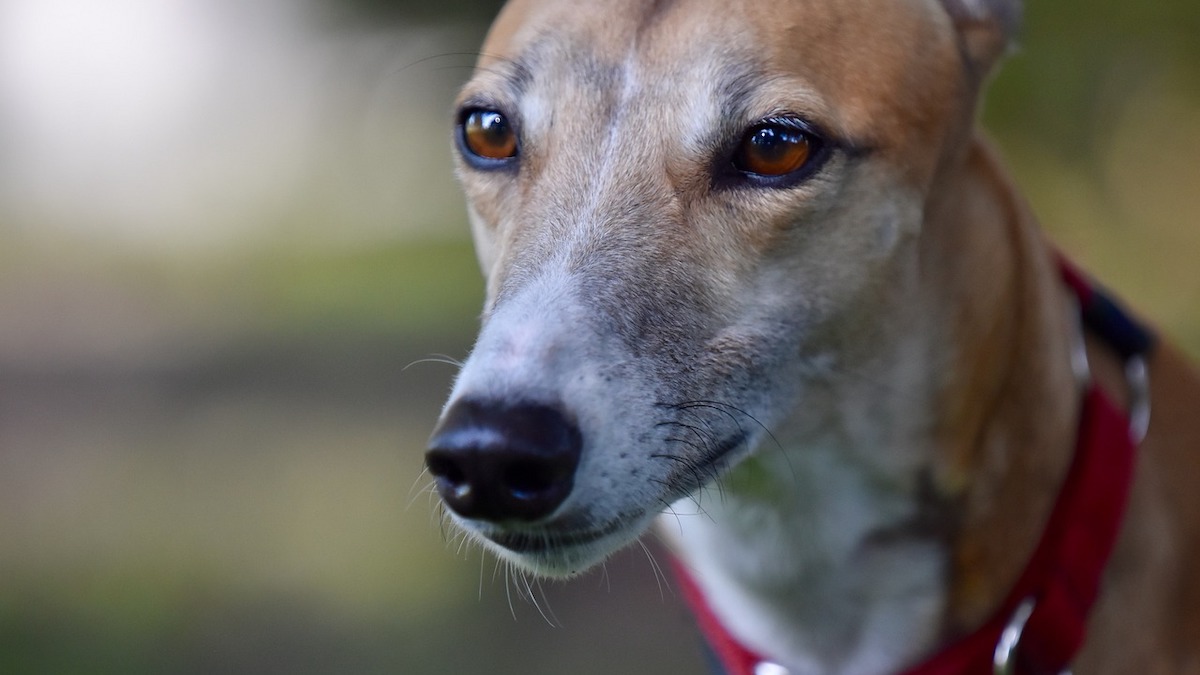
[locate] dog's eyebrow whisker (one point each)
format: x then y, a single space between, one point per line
433 57
435 358
474 56
440 69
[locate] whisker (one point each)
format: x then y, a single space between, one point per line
435 358
508 584
553 618
728 410
442 522
659 577
462 543
669 508
496 569
428 489
691 495
774 441
706 439
711 405
446 55
482 560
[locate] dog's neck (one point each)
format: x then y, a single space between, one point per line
903 500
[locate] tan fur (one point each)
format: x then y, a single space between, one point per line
900 80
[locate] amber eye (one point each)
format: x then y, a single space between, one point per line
487 134
773 149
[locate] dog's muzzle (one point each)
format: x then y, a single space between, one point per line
498 461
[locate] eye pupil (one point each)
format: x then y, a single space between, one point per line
487 134
773 150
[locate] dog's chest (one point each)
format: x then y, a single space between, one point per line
791 561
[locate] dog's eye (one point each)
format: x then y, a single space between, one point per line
487 134
774 149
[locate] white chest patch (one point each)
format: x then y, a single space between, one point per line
793 573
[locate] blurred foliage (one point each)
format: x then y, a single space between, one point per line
1097 113
1079 62
400 289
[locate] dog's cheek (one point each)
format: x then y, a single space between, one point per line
891 223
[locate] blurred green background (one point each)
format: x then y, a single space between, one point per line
227 227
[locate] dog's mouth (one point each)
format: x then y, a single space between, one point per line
566 547
549 541
562 551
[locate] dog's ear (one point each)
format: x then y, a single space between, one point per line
986 29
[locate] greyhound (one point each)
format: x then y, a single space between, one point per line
753 272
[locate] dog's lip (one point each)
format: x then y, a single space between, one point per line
546 540
555 538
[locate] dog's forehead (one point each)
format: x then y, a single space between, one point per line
851 62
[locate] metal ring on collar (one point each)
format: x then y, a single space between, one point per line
1003 659
1137 377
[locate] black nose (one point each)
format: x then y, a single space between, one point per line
501 461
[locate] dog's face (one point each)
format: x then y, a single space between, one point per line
691 216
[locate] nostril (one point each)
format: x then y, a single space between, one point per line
495 460
527 479
446 471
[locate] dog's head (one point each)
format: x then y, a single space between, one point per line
692 215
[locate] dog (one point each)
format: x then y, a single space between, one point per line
753 272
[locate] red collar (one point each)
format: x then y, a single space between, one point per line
1041 625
